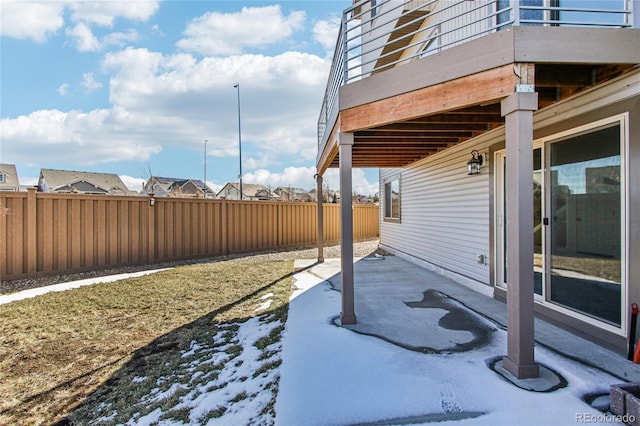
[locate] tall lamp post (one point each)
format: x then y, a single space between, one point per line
204 189
237 86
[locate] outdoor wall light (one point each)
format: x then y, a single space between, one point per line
473 165
152 201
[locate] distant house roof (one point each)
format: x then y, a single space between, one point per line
250 191
166 186
288 193
9 178
52 180
291 190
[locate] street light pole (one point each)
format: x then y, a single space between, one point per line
204 189
237 86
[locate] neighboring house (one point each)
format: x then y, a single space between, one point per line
231 191
292 194
174 187
328 196
9 178
488 117
67 181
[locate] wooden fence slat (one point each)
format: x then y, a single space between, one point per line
50 234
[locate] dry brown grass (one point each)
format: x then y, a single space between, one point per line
58 348
609 269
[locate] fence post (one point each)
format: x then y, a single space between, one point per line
32 241
224 238
3 238
152 229
279 227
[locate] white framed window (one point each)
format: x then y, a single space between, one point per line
392 199
2 179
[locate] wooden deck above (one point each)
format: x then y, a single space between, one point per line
412 111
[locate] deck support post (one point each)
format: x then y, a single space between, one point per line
518 109
320 202
345 142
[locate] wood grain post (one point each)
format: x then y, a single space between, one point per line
151 221
224 226
320 235
31 239
518 112
348 315
4 211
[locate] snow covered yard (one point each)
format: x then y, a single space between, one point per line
256 360
227 376
190 345
333 376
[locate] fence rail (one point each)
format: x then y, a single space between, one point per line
50 234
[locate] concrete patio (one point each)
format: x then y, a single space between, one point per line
420 310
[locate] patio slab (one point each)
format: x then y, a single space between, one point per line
421 310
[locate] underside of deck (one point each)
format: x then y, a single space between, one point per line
415 110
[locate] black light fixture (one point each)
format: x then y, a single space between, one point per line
473 165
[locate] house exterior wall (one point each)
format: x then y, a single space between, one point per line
444 213
448 218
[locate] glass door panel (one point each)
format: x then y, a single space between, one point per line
538 263
538 258
585 220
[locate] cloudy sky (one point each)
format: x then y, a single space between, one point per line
136 87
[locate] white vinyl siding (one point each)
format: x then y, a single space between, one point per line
445 212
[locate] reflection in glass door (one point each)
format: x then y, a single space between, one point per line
585 224
538 260
538 238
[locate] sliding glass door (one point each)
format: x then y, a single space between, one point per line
585 256
578 222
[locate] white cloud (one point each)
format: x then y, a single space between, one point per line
103 13
89 83
252 163
37 20
228 34
298 177
303 177
28 180
325 32
119 38
361 185
133 183
176 100
30 19
279 99
83 38
63 89
76 137
214 186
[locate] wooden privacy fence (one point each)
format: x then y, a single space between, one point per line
51 234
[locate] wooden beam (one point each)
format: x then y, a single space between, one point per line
432 126
372 135
482 88
330 150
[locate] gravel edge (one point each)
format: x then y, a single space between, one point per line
360 249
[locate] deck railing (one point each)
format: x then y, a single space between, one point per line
376 35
